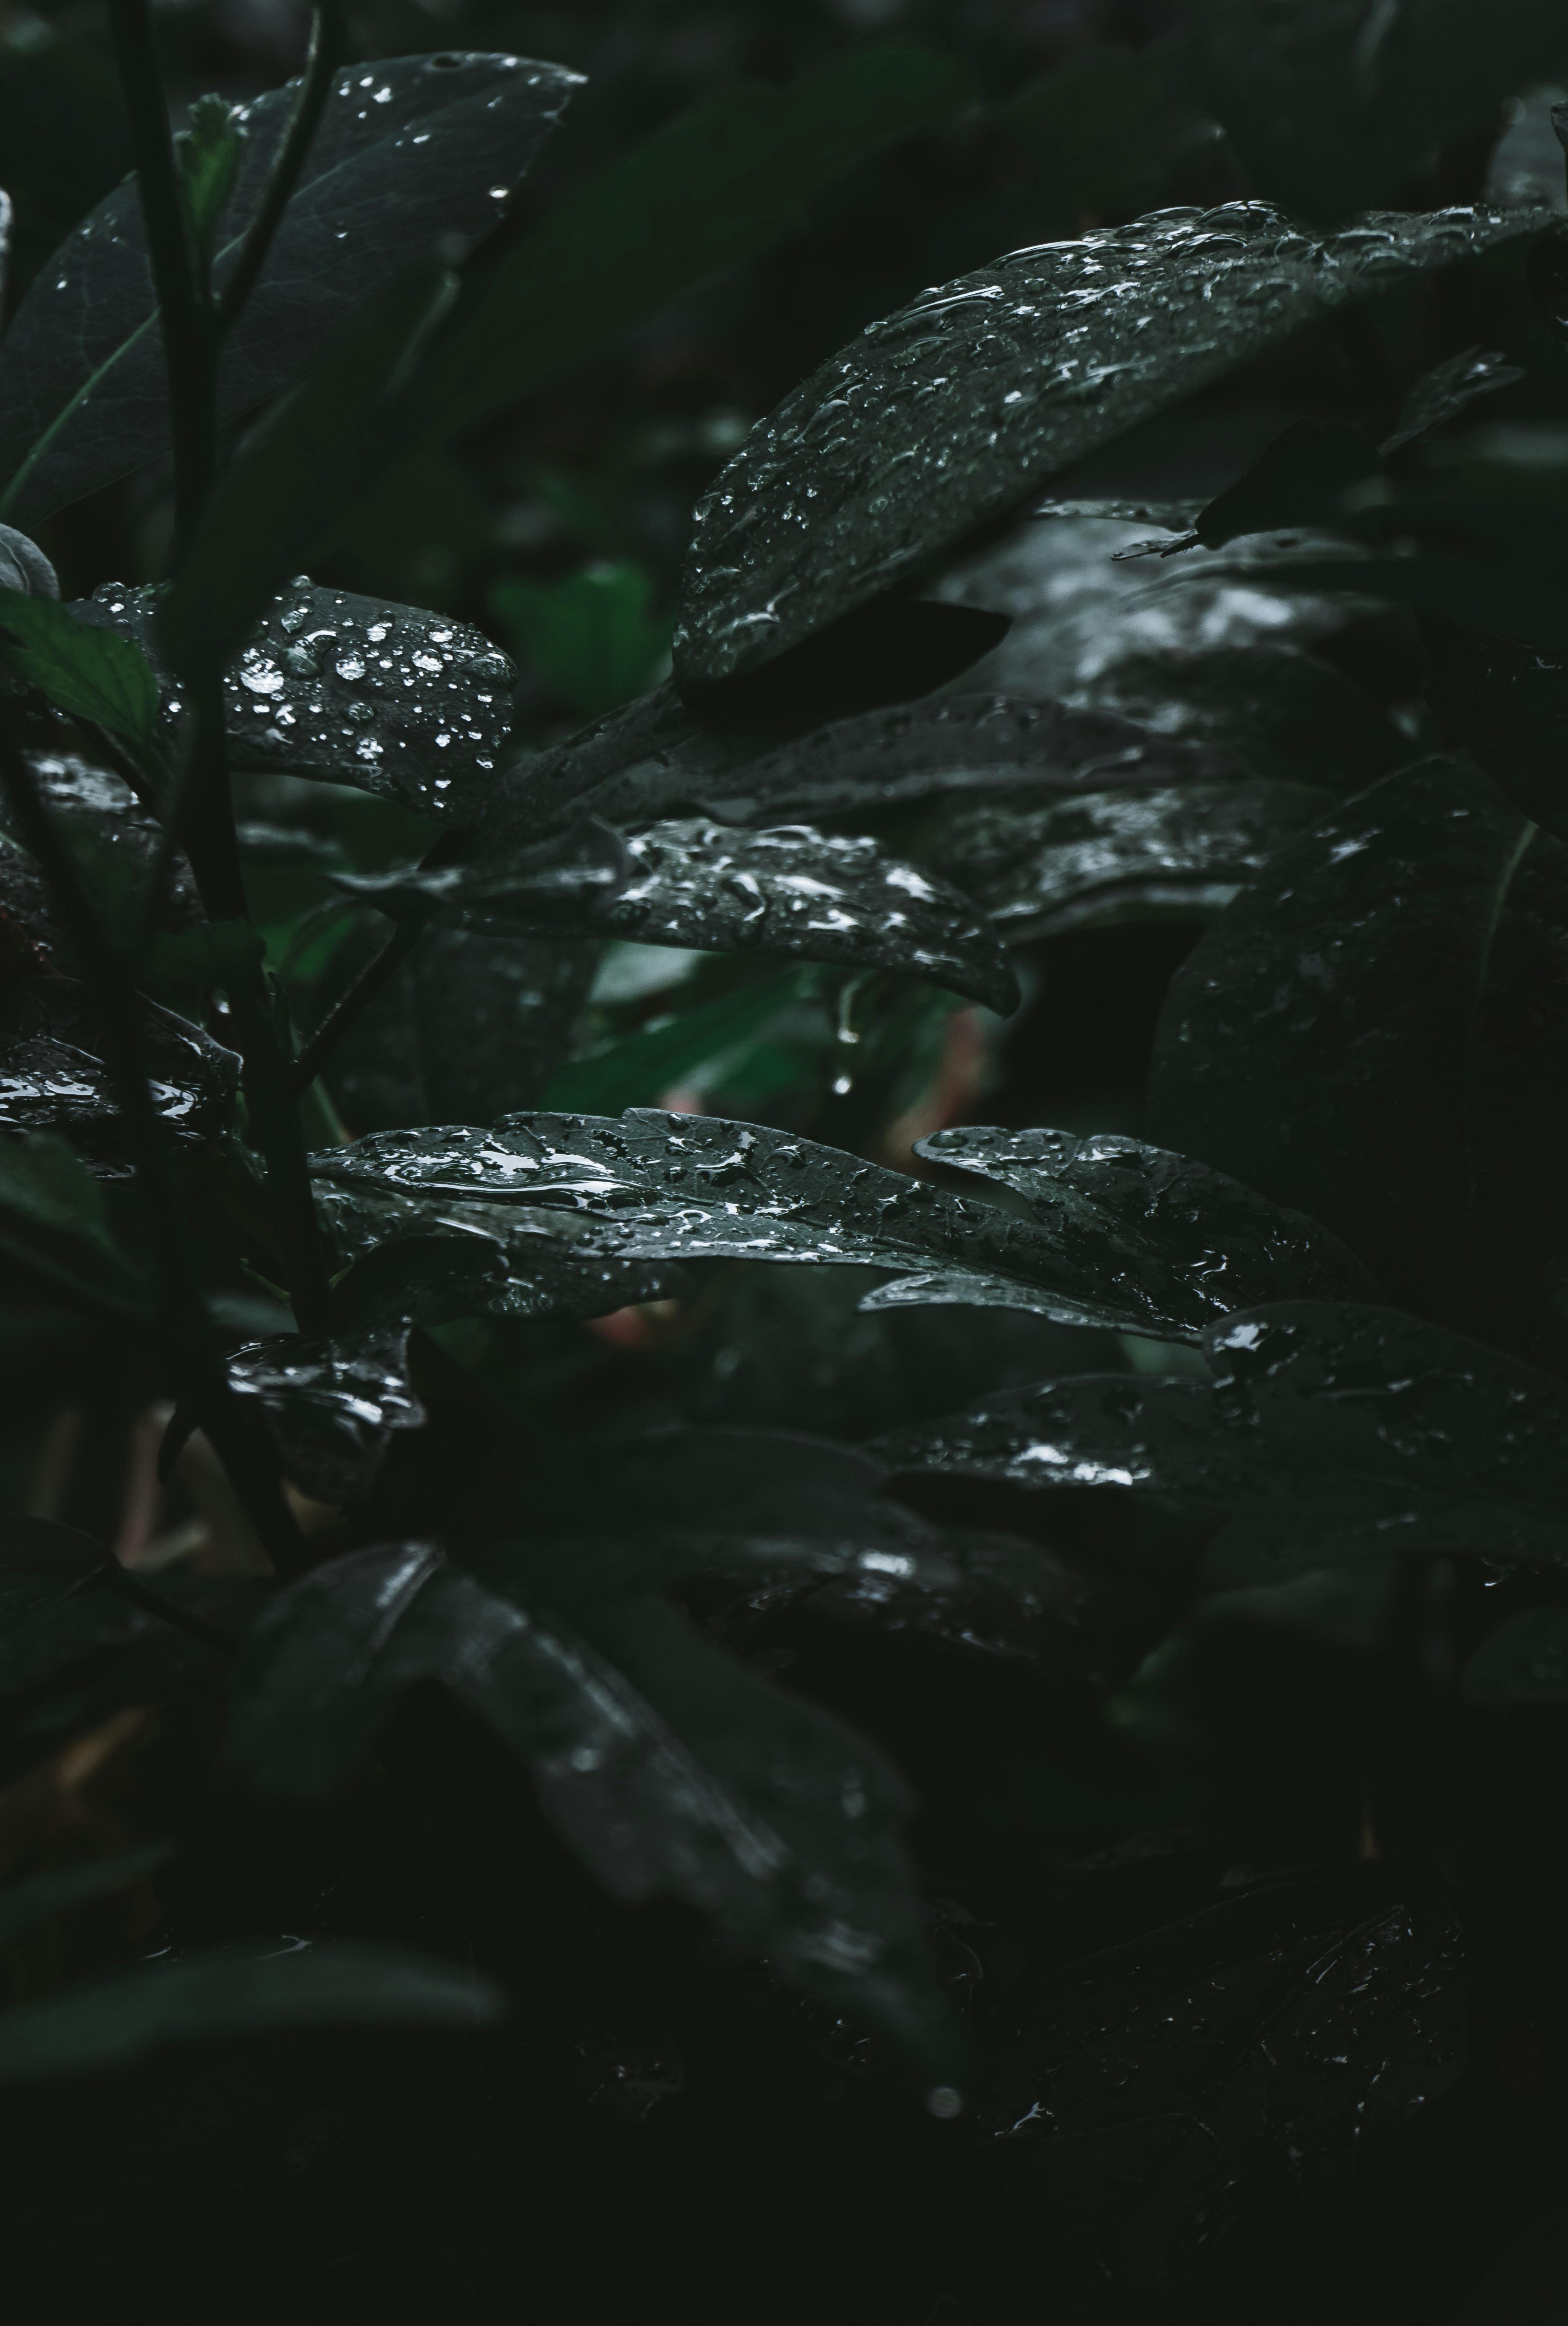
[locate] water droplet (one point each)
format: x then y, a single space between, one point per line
349 666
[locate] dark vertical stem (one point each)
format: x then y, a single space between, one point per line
183 1321
189 346
327 41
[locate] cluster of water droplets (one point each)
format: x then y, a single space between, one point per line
952 410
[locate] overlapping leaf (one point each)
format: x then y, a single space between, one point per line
668 1768
1106 858
52 1078
408 151
1375 1033
1174 1244
653 1186
821 897
1329 1432
952 410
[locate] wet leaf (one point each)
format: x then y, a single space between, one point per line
114 842
332 1406
704 886
45 1189
1449 388
1103 859
954 746
1393 986
408 151
40 1897
668 1768
351 690
953 409
660 1187
239 1991
88 673
1150 2098
52 1078
426 1278
1331 1431
1174 1245
517 999
1523 1661
557 1264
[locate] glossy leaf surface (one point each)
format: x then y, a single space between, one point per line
704 886
52 1078
351 690
1395 987
667 1767
408 151
952 410
86 673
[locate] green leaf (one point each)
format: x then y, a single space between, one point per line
1507 705
1523 1661
592 639
332 1406
706 887
52 1078
88 673
1101 131
239 1991
946 414
206 159
45 1189
1376 1033
669 1769
1445 391
640 1068
407 154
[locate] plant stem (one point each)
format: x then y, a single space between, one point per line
183 1322
308 1065
190 348
327 41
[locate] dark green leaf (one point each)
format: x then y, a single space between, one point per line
88 673
1377 1034
557 1265
953 409
1335 106
1523 1661
332 1406
114 842
952 746
717 187
1507 705
1298 481
1329 1432
350 690
1446 390
427 1278
44 1185
1274 2038
661 1186
517 999
668 1768
592 639
1173 1243
239 1991
52 1078
1097 860
40 1897
705 886
409 151
1100 132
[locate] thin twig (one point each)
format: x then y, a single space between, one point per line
327 41
310 1060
